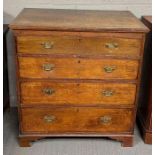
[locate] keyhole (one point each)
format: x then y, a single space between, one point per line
77 110
79 39
79 61
78 84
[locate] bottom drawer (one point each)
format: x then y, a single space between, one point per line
75 119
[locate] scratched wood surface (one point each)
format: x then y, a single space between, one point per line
70 93
80 44
82 120
66 146
83 39
76 68
75 20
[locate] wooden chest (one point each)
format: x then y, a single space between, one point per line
78 73
5 69
144 114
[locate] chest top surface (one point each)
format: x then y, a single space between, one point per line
147 20
77 20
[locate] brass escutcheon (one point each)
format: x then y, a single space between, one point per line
109 69
48 67
48 91
105 119
111 45
49 119
48 45
108 93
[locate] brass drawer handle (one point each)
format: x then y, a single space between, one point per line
49 119
48 91
108 93
111 45
48 67
48 45
109 69
105 120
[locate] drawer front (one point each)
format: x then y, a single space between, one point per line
65 93
70 68
61 120
107 45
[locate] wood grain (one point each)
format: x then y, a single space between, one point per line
80 45
77 20
76 89
74 68
77 93
55 143
75 120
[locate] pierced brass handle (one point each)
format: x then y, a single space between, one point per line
48 91
108 93
48 45
48 67
109 69
105 120
111 45
49 119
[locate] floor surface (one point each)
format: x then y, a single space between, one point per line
67 146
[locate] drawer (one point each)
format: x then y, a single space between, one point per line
73 93
79 45
74 120
71 68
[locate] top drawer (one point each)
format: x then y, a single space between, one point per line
85 44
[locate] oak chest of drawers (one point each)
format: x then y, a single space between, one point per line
78 73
